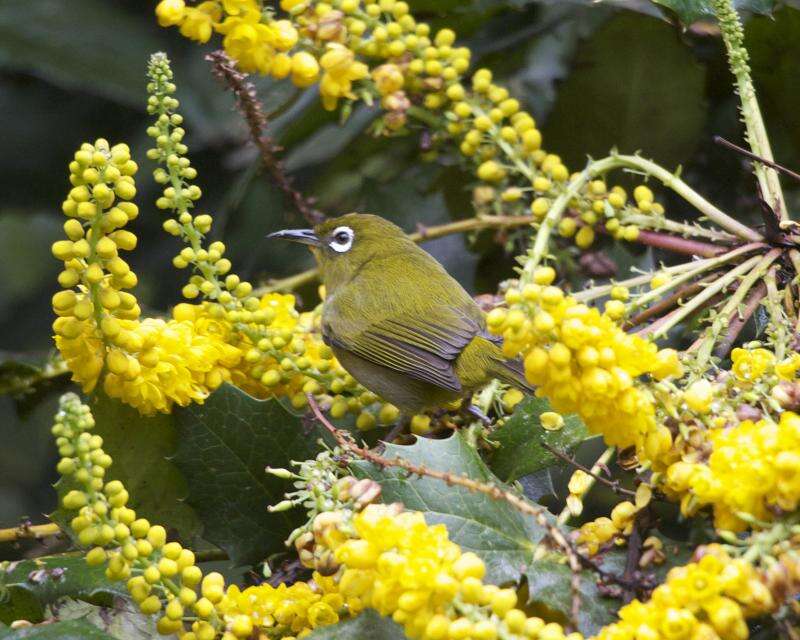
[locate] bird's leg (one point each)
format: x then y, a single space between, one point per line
475 412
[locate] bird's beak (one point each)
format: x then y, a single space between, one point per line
303 236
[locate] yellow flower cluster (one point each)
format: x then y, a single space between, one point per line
584 363
396 563
287 611
280 351
596 533
750 365
708 599
161 576
753 470
150 364
329 42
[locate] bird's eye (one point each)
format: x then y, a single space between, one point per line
342 239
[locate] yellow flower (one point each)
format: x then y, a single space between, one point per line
198 23
340 71
170 12
305 69
751 364
248 41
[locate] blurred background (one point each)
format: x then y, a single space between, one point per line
595 76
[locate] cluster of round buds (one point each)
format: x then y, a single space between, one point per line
161 576
94 307
597 533
505 146
584 363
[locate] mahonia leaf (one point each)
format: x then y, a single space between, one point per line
65 630
223 448
28 586
123 620
550 595
139 446
370 624
630 111
690 11
521 440
503 537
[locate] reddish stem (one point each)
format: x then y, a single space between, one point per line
678 244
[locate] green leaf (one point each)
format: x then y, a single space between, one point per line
139 446
634 86
26 587
93 45
369 624
503 537
223 448
65 630
550 594
690 11
123 620
521 440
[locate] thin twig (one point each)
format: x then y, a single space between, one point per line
224 69
612 484
749 154
345 441
677 244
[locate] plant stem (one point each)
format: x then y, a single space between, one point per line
686 229
703 266
423 235
738 59
722 319
594 476
677 244
34 531
778 319
671 181
739 320
698 301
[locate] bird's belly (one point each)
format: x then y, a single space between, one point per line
406 393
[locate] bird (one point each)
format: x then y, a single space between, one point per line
397 322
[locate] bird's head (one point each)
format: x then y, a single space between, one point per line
343 245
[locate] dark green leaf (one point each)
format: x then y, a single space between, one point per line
496 531
123 620
65 630
522 437
690 11
550 593
223 448
92 45
26 587
774 47
369 625
139 446
634 86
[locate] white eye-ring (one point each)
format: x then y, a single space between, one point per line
342 239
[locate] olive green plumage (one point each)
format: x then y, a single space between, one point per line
396 320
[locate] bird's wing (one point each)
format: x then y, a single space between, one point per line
424 348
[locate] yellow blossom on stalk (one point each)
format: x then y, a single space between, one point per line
751 364
584 363
292 609
754 468
707 599
198 22
170 12
248 40
340 70
149 364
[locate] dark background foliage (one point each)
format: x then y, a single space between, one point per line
615 74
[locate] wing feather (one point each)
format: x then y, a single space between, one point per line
425 349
